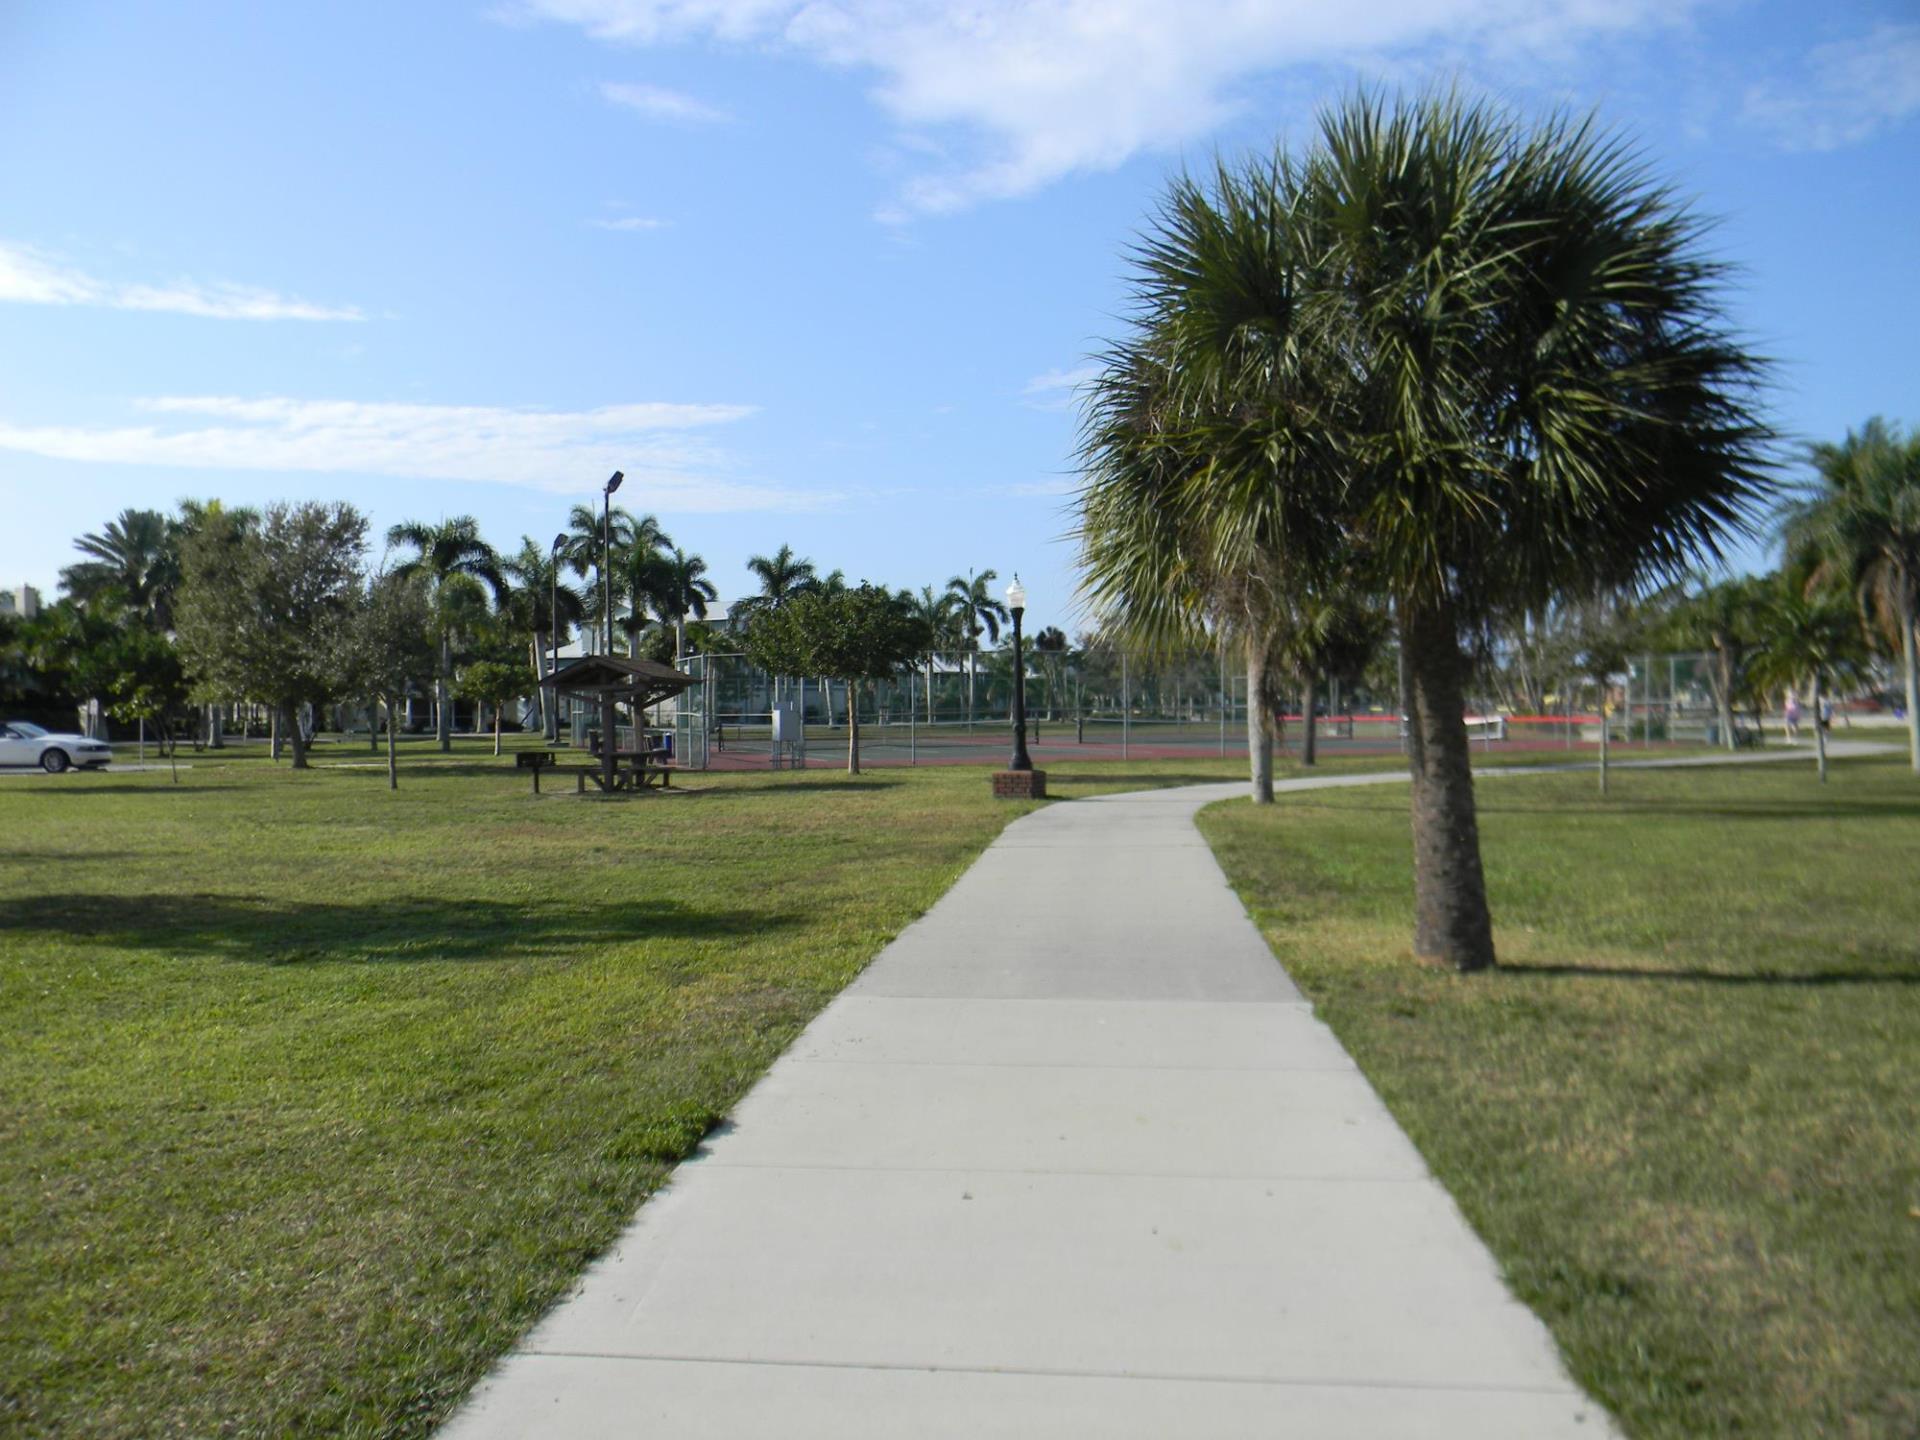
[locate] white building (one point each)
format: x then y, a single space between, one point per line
22 602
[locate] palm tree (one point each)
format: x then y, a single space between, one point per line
976 612
441 552
782 575
1515 382
1550 401
1208 437
934 612
637 574
1330 631
542 605
135 568
1811 637
587 553
1861 516
680 589
1050 650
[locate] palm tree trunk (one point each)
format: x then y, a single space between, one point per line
393 758
1905 584
1603 735
1259 736
1819 731
443 687
1723 667
1452 926
853 728
539 674
1309 746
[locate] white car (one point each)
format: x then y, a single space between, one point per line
22 743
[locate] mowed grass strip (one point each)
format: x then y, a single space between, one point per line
313 1096
1686 1114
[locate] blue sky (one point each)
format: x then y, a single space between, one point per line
813 273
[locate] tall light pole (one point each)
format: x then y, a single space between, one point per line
553 634
606 554
1017 603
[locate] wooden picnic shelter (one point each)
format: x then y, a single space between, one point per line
608 681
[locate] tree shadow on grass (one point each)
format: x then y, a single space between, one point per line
1815 979
405 929
1497 802
1148 780
775 788
155 785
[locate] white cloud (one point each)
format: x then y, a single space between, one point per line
1056 389
629 223
549 450
1850 91
33 277
1037 90
658 104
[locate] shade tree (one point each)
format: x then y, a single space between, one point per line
267 610
853 634
390 645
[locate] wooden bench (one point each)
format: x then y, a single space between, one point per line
534 760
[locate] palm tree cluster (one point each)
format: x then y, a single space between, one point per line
1855 528
1439 366
633 559
484 614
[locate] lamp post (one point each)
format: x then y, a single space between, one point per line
553 634
606 554
1017 603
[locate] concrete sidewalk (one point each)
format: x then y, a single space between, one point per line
1071 1158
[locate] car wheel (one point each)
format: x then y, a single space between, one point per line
54 761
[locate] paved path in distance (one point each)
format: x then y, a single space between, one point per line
1072 1157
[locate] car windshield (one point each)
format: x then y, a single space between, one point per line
24 730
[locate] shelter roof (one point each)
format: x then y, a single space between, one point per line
642 682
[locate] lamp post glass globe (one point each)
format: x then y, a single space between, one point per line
1017 604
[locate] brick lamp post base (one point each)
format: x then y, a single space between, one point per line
1019 784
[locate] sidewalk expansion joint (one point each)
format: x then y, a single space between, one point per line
714 1162
1152 1376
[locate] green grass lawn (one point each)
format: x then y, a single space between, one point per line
1686 1114
313 1095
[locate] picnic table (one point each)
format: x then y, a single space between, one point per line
609 682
